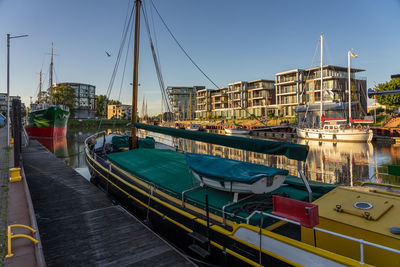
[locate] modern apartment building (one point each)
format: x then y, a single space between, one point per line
288 86
203 103
299 91
183 101
84 99
219 103
239 100
260 97
119 112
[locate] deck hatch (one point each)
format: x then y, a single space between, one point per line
371 208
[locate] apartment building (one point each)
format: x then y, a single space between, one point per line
239 100
288 86
183 101
119 112
298 92
203 103
84 102
260 97
3 102
219 103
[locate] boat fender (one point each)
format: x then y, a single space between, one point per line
395 230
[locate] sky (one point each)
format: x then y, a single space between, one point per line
230 40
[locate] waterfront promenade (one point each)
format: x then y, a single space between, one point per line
4 165
80 226
16 208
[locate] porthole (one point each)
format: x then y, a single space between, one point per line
363 205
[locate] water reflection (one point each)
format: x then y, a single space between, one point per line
334 163
58 146
341 163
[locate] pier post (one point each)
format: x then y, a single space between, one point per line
16 130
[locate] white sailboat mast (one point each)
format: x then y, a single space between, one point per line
349 84
322 96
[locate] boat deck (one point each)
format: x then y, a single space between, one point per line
169 172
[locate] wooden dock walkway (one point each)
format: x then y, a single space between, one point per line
79 225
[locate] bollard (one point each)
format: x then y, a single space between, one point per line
15 175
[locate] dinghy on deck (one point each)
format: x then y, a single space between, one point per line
233 175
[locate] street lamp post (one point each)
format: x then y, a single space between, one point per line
9 37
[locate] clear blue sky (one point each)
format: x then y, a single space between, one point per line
231 40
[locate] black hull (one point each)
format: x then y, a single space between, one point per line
174 226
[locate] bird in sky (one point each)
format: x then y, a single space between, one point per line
108 54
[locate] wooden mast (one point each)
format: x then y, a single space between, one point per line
40 88
51 75
138 3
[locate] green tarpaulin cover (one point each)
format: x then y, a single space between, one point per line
169 172
290 150
123 141
222 169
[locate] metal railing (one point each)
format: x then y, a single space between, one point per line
360 241
10 236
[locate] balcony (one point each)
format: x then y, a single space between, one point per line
287 93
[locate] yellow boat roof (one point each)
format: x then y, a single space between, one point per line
376 212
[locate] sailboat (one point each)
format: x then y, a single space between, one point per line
332 129
47 120
294 222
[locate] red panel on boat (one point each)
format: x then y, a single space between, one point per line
303 212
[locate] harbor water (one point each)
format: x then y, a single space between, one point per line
334 163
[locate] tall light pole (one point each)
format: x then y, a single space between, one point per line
9 37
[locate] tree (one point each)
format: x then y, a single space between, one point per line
114 102
101 102
65 95
44 97
390 100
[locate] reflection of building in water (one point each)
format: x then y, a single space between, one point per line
340 163
237 154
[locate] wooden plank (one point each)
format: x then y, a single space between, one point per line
79 225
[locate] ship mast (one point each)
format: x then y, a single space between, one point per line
322 97
135 73
51 75
349 84
40 87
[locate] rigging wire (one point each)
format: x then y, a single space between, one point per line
122 45
180 46
123 72
158 56
194 63
308 75
156 62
